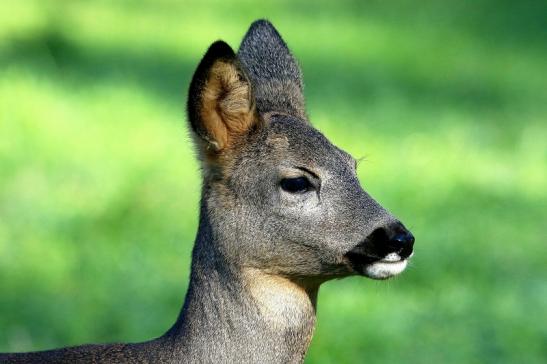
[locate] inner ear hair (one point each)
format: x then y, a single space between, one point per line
227 107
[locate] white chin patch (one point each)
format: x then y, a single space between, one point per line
390 266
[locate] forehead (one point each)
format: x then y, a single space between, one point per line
300 142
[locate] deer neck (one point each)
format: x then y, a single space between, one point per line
234 314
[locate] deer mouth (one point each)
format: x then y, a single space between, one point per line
376 267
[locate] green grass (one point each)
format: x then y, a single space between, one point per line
99 187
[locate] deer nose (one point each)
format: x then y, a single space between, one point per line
402 243
391 238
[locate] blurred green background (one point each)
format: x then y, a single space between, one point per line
447 102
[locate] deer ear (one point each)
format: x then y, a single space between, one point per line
220 102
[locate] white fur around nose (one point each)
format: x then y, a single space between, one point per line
384 269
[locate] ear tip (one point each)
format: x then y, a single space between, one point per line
220 49
262 26
261 23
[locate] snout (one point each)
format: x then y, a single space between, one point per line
384 253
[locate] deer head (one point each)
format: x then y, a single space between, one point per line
278 196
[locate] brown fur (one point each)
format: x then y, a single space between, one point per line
227 108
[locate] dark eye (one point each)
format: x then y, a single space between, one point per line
296 185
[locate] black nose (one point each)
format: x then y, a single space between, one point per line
392 238
400 240
403 239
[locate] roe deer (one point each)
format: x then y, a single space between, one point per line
282 211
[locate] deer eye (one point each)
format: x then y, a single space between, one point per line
296 185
